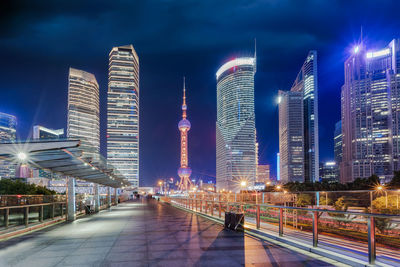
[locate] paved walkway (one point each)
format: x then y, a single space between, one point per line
145 234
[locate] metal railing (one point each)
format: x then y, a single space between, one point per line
27 214
211 206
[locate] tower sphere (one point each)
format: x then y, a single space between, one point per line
184 124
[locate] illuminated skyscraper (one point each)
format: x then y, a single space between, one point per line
371 112
43 133
235 129
291 137
123 112
8 124
184 125
83 111
337 140
307 83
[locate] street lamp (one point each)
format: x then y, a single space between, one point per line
380 188
22 156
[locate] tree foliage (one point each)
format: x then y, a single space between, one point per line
9 187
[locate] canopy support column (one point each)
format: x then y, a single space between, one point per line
71 206
96 198
109 197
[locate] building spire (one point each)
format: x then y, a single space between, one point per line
255 54
184 107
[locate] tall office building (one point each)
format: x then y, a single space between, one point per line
337 140
8 130
43 133
8 124
307 83
328 172
291 137
83 111
370 113
235 127
263 173
123 112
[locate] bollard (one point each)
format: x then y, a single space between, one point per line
26 216
371 240
280 221
258 217
315 228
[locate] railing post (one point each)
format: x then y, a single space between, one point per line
6 216
52 210
195 202
280 221
219 207
62 210
263 198
201 205
212 208
41 213
26 216
315 228
371 240
258 217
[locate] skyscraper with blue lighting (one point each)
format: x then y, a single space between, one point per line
123 112
8 130
371 113
307 83
235 129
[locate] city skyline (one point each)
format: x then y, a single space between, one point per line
43 90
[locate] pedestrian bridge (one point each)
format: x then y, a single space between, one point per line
148 233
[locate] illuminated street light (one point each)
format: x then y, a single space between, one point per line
379 187
243 183
278 187
22 156
356 49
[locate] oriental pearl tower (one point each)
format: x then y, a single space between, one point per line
184 171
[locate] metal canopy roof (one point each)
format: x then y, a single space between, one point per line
63 157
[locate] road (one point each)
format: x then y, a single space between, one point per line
146 233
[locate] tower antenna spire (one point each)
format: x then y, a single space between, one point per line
255 54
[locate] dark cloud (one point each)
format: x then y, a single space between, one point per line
39 40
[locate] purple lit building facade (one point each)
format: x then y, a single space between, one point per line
370 100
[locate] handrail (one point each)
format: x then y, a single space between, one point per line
302 208
31 205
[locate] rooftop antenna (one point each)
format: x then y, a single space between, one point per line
255 54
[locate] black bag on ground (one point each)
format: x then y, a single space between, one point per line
234 221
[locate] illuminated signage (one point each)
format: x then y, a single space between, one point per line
379 53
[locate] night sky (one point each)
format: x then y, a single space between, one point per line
40 41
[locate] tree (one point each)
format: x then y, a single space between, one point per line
395 182
9 187
379 205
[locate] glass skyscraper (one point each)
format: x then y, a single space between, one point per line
337 140
235 127
307 83
291 137
83 111
371 113
8 124
123 112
